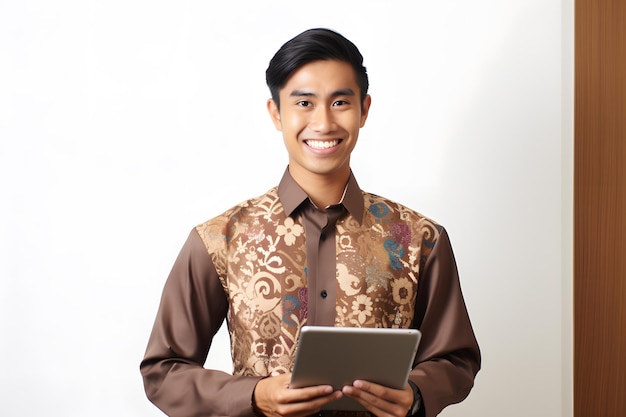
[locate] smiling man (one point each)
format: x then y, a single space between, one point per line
320 111
315 250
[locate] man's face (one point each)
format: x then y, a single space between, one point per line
320 116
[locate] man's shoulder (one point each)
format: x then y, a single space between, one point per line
264 205
380 207
401 221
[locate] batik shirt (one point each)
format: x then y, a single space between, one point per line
276 263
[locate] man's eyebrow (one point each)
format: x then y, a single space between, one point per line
343 92
301 93
306 93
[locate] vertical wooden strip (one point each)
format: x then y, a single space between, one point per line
600 209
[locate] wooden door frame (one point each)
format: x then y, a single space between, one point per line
600 209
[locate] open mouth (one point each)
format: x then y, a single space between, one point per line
322 144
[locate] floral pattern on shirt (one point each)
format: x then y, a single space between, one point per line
260 256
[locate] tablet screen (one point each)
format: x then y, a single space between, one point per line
339 355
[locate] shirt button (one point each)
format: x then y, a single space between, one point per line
324 294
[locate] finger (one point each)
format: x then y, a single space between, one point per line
280 387
310 393
400 396
273 397
381 409
378 399
379 390
305 393
361 398
305 408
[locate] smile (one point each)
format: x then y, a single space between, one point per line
322 144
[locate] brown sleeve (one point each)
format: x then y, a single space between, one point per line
193 307
448 357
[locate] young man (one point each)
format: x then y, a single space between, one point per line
315 250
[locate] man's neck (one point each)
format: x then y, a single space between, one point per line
323 190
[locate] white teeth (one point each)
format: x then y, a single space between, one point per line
322 144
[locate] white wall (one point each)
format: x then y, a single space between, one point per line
125 123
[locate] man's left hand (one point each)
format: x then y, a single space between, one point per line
380 400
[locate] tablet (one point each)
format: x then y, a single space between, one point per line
339 355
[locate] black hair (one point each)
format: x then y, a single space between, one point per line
313 45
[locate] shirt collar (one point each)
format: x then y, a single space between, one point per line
292 196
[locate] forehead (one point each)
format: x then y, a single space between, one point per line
322 76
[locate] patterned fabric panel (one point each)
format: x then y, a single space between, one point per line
260 256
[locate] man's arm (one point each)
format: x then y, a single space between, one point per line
448 357
193 307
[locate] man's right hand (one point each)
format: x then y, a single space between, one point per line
273 397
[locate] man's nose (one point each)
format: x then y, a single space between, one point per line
322 120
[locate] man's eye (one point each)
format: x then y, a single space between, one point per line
340 103
304 103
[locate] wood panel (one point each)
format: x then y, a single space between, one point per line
600 209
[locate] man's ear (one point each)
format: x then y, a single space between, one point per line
365 109
272 109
